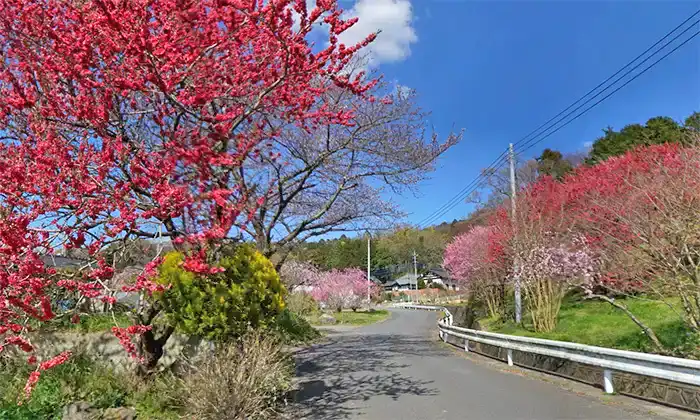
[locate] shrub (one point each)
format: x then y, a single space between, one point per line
245 380
302 303
82 379
293 329
246 294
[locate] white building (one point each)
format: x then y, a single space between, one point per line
440 276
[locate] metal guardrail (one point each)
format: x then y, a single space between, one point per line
610 360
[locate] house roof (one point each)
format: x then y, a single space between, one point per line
440 272
405 279
58 261
375 280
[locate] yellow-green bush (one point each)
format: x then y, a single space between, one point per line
302 304
247 294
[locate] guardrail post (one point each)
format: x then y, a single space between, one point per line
466 345
608 381
510 357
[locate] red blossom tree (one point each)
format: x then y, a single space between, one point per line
640 213
132 119
624 227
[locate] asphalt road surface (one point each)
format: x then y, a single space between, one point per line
397 370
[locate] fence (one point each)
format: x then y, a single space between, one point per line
673 369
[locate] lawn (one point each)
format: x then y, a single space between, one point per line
92 323
600 324
355 318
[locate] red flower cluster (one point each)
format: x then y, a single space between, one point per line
125 338
133 117
46 365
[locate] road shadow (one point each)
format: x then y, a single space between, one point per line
336 377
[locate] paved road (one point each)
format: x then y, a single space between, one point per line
396 370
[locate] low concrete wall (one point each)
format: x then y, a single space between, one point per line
670 393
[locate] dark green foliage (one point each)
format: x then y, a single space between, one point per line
386 297
692 123
552 163
657 130
294 329
421 284
389 250
247 294
437 286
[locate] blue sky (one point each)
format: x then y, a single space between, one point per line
501 68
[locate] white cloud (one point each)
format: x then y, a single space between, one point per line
394 18
588 144
402 90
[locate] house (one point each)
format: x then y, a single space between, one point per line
376 281
405 282
61 262
440 276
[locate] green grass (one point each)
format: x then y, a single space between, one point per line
82 379
92 323
355 318
293 329
600 324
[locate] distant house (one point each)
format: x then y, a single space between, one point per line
440 276
58 261
405 282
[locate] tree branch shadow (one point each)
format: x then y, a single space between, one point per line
337 377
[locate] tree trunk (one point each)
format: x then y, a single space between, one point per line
647 330
151 350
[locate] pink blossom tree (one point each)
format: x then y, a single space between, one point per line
343 289
548 271
296 274
476 259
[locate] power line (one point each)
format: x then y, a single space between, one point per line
611 93
530 143
459 196
480 182
473 186
613 75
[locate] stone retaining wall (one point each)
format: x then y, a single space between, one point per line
105 347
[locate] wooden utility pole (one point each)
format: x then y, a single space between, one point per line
415 268
516 274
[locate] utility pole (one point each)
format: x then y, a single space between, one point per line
415 268
369 280
516 275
